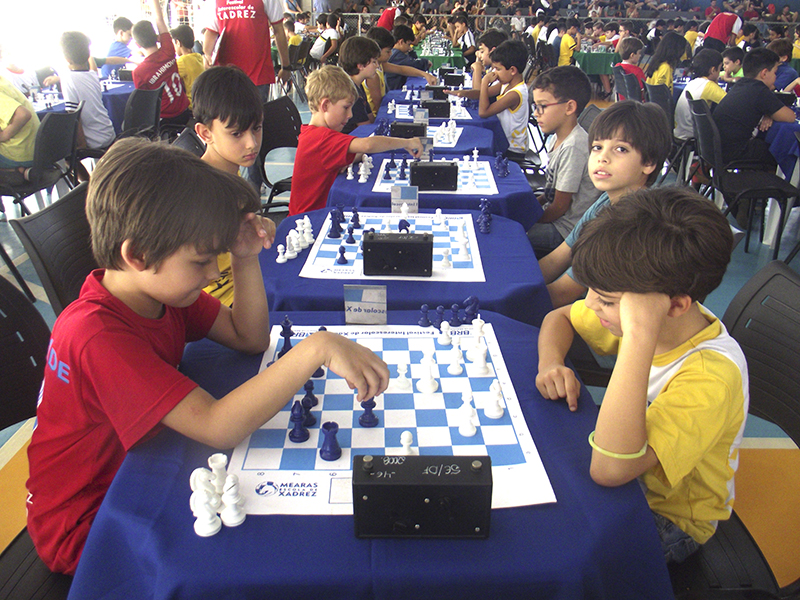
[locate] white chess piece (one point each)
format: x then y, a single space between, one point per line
232 515
207 523
475 340
475 155
281 254
308 233
494 408
350 171
444 337
480 367
362 173
406 439
404 210
427 384
466 426
200 480
446 263
455 368
299 238
437 217
290 252
402 382
463 247
217 462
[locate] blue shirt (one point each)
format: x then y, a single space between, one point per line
116 49
590 214
395 81
784 76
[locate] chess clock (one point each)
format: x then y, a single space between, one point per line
437 109
401 254
399 129
422 496
434 176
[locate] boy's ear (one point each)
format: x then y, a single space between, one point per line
648 168
203 132
678 305
572 107
130 258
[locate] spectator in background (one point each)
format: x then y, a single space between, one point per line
785 73
190 64
119 47
712 10
18 126
722 31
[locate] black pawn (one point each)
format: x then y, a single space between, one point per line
423 319
455 321
350 239
298 434
402 174
387 172
309 420
439 316
354 220
309 388
341 260
330 449
368 419
392 162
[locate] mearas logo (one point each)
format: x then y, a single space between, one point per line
287 489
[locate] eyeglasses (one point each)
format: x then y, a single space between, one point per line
540 108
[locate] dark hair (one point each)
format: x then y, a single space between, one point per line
403 33
612 27
162 198
627 25
75 47
690 24
643 125
779 29
566 83
144 34
492 38
357 50
322 19
184 35
667 240
660 23
381 36
228 94
511 53
757 60
679 23
122 24
572 23
781 47
749 28
669 50
629 46
461 18
705 60
733 54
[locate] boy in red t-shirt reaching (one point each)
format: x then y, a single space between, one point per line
322 149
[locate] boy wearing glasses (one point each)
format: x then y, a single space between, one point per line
358 57
559 97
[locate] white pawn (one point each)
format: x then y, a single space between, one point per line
362 173
477 333
446 264
281 254
466 427
494 410
350 171
444 337
455 368
475 155
217 462
437 217
480 367
402 382
232 515
308 233
290 253
207 523
404 210
406 439
427 384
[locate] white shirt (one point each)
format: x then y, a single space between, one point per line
84 86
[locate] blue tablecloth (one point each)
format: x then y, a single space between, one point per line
514 285
783 145
515 199
471 137
595 542
114 100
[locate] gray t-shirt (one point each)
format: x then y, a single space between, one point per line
567 171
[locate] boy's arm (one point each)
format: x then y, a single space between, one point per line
791 86
374 87
555 380
409 71
210 38
487 109
283 50
21 116
379 143
331 50
161 24
621 426
555 263
224 423
564 290
559 205
784 115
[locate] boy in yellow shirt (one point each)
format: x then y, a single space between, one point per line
570 41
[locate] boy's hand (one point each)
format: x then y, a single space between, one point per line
559 381
359 366
414 147
489 79
255 233
431 79
765 123
643 314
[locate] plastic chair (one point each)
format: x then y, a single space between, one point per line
633 91
188 140
58 242
661 95
143 114
298 56
764 317
620 87
588 116
281 129
56 140
738 180
24 337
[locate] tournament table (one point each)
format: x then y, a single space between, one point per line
471 137
514 284
597 63
515 199
114 100
594 542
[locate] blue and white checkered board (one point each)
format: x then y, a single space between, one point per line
321 261
268 463
483 182
405 112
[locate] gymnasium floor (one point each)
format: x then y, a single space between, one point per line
768 480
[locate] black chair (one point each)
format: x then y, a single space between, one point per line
58 242
738 180
588 115
620 86
188 140
281 129
298 57
24 337
56 140
142 115
764 317
633 91
661 95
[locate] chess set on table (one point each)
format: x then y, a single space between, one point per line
475 177
406 111
278 476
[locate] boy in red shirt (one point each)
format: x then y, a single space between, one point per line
160 66
630 50
322 149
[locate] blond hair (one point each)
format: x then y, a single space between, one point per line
329 82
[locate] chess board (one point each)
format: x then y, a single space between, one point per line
281 477
439 143
403 112
320 262
481 182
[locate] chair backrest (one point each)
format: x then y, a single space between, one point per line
58 242
633 91
188 140
764 317
281 128
143 111
706 135
619 81
24 336
56 138
588 115
661 95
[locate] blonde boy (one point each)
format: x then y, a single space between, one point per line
322 149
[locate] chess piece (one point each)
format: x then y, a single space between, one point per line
401 175
387 173
446 264
368 418
426 383
290 252
200 480
479 366
232 515
355 220
350 171
298 434
330 449
455 368
466 427
406 439
350 239
455 321
308 386
475 155
392 163
342 260
444 338
281 254
309 420
494 408
423 319
436 319
217 463
402 382
437 217
286 334
207 522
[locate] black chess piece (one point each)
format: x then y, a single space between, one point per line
342 260
368 419
392 162
286 334
334 231
308 386
423 319
350 239
455 320
355 221
309 420
298 434
330 449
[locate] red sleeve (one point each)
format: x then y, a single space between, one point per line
165 42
